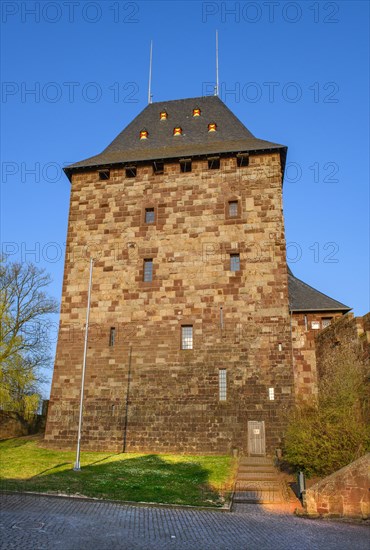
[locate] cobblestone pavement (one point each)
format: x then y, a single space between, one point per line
36 522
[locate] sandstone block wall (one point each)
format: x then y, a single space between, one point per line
145 392
345 493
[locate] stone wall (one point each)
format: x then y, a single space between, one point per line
13 425
305 327
145 392
348 338
343 494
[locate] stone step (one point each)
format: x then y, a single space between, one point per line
260 469
262 476
258 497
256 460
257 485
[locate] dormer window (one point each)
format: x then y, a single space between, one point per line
212 127
163 115
196 112
177 131
144 134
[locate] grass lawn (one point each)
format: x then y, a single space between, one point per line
171 479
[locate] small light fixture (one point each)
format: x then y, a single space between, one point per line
212 127
144 134
196 111
177 131
163 115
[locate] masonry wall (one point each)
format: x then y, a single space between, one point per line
348 338
343 494
145 393
305 327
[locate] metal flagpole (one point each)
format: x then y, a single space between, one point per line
150 73
77 466
217 82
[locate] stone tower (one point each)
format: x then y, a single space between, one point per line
190 345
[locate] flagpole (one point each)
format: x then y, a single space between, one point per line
77 466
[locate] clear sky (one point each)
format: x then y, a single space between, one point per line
75 73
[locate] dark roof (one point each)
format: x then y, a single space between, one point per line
303 297
231 134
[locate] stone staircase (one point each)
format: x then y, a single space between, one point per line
258 482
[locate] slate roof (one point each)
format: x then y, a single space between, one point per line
231 134
303 297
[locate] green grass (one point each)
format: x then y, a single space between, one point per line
25 465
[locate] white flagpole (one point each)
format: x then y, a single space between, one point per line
77 466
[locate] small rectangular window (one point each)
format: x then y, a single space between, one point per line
187 337
112 336
234 262
271 394
233 209
158 167
185 165
149 215
315 325
213 163
130 171
326 321
148 270
104 174
222 386
242 160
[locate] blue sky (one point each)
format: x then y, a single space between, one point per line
74 74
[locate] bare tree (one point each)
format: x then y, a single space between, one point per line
24 336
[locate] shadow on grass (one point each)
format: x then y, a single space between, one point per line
147 478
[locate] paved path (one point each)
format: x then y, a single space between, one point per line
37 523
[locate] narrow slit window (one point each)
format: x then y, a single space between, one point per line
130 171
185 165
271 394
104 175
187 337
233 209
148 270
158 167
149 215
222 386
112 337
234 262
242 160
214 163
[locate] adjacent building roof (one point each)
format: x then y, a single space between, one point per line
230 136
303 297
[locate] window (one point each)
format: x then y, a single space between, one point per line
326 321
177 131
104 174
158 167
242 160
187 337
315 325
149 215
271 394
213 163
130 171
196 112
212 127
234 262
163 115
144 134
222 387
112 336
233 209
185 165
148 271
